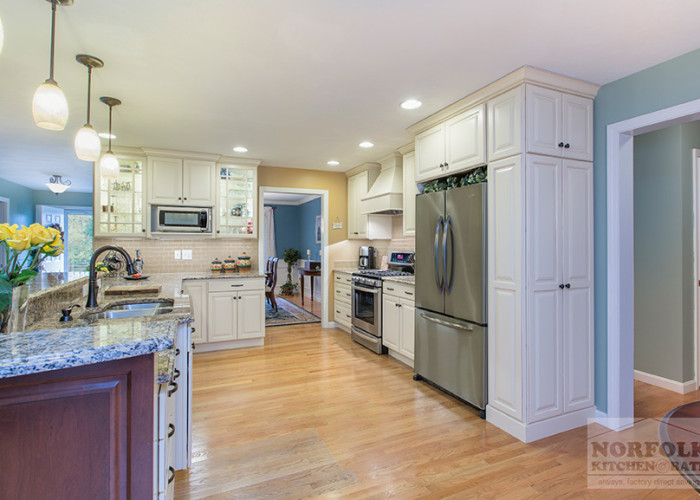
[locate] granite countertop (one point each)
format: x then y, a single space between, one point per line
408 280
51 345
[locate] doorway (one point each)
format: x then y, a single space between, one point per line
311 239
620 253
76 225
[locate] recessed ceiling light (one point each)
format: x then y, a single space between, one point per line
333 163
411 104
105 135
366 144
240 149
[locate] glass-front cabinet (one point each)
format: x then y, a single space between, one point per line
119 203
237 200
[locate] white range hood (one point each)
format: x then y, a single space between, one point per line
385 197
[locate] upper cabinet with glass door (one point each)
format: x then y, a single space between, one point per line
118 203
237 198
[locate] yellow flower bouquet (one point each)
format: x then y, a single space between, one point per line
23 250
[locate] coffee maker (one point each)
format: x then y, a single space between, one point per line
366 258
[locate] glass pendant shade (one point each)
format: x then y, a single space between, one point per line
109 166
56 188
50 107
87 144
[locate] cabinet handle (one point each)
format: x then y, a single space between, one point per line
337 311
408 293
397 305
177 352
173 390
347 315
561 144
355 232
172 474
390 289
177 374
237 285
445 164
171 431
193 346
143 230
567 145
561 286
217 231
568 285
442 166
194 329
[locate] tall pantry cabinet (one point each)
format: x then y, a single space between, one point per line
540 262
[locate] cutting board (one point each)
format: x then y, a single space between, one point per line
132 289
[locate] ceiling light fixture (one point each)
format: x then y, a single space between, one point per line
49 107
366 144
105 135
57 185
411 104
240 149
333 163
87 142
109 165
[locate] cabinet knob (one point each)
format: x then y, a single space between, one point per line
171 471
567 145
179 197
173 389
442 166
177 374
171 430
561 144
143 230
568 285
561 286
445 164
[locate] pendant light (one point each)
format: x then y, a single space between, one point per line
49 107
57 185
109 165
87 142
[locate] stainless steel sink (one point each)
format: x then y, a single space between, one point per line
142 305
129 313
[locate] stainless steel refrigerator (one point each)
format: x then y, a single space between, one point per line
451 285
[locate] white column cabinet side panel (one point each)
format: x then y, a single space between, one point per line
504 124
197 291
430 153
465 141
578 273
410 190
505 265
544 308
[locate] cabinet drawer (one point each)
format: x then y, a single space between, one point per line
343 278
343 292
402 290
342 313
236 285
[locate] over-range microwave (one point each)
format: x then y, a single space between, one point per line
181 219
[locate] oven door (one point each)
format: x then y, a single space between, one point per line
366 309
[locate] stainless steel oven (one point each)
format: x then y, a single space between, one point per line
367 308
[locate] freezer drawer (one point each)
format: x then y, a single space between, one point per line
451 354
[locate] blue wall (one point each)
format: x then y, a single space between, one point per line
21 202
667 84
67 199
295 227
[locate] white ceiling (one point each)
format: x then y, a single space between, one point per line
302 82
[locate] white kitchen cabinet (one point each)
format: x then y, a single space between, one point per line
177 181
559 124
251 315
410 191
451 147
540 295
398 320
119 203
237 201
358 186
197 292
342 297
505 125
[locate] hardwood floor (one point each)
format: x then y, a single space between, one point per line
312 414
312 306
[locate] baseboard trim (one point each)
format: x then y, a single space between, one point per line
665 383
231 344
542 429
404 359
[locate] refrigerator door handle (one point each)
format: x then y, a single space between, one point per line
438 228
448 281
448 324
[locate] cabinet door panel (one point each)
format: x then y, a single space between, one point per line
251 314
358 185
543 221
391 322
408 328
197 292
577 127
543 129
505 124
222 317
198 183
165 181
430 153
578 348
410 191
465 144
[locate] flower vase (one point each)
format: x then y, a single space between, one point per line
14 317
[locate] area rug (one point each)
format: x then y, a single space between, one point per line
288 314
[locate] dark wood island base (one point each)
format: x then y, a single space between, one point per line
84 432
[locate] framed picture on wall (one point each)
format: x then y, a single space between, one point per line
318 229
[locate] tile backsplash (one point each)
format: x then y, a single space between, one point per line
158 254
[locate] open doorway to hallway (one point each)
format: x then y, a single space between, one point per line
292 225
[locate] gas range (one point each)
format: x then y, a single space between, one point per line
373 277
